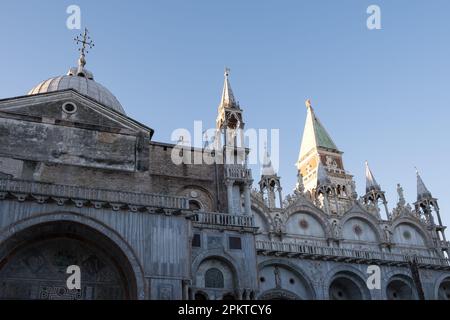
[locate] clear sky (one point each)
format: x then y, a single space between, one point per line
383 95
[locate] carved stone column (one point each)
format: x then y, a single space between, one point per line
229 183
280 196
185 287
247 199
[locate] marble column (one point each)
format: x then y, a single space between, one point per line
229 184
247 199
281 197
185 284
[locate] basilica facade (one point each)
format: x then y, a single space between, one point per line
83 184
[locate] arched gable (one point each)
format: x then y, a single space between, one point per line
298 272
316 214
367 220
408 231
305 224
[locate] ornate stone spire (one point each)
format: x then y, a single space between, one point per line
374 194
270 182
267 167
371 183
228 100
422 191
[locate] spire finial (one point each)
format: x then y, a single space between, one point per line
228 99
422 191
371 183
267 167
308 103
86 44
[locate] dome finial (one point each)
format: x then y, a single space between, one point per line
86 43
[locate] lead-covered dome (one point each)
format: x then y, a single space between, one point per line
82 81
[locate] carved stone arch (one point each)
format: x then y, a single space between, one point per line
314 212
205 197
220 255
258 202
278 294
200 294
402 275
267 219
343 269
370 219
440 279
10 236
417 225
294 269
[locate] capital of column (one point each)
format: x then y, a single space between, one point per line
229 182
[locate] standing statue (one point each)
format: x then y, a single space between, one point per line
278 224
299 188
354 194
401 197
387 234
335 229
276 272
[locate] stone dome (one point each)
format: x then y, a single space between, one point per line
83 82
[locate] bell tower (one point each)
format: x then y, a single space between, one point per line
317 148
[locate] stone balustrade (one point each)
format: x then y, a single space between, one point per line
223 219
347 255
236 171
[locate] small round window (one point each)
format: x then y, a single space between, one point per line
407 235
69 107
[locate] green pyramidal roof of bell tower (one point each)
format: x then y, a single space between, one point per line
314 134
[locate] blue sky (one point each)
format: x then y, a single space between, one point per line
382 94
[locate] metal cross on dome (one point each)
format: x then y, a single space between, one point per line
86 42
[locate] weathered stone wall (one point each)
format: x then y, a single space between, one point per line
156 245
312 279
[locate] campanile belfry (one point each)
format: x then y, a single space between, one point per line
318 147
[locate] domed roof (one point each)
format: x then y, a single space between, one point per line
83 82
